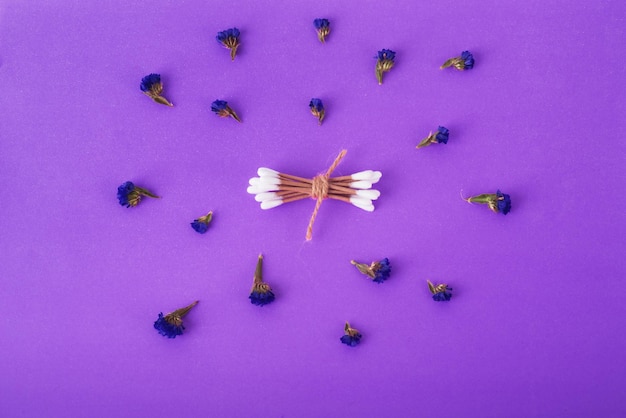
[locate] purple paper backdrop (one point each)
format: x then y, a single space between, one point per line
535 326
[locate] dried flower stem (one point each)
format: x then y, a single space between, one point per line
258 271
180 313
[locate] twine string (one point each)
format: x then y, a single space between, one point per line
319 191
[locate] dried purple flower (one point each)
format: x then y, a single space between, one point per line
378 271
441 292
152 87
261 293
171 325
352 336
464 62
498 202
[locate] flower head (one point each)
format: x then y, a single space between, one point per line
463 62
230 39
440 136
222 109
352 336
378 271
384 62
503 202
386 55
201 225
322 26
441 292
130 195
150 82
261 293
498 202
152 87
171 325
317 109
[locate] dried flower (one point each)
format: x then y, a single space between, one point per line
201 225
322 26
261 293
152 87
352 336
378 271
441 292
498 202
230 39
317 109
464 62
171 324
222 109
130 195
384 63
440 136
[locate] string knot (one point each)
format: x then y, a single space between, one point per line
319 191
320 186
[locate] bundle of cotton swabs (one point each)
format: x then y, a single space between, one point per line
273 189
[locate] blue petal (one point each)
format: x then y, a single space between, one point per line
504 205
316 104
166 329
218 106
200 227
442 135
148 81
383 270
321 23
123 191
352 341
261 298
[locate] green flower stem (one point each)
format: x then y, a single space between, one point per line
483 198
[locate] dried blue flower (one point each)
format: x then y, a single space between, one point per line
230 39
261 293
498 202
201 225
440 136
222 109
441 292
322 26
384 63
317 109
378 271
352 336
171 325
152 87
464 62
504 202
130 195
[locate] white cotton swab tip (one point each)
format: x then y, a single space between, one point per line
261 197
368 194
269 180
254 181
269 204
261 188
362 203
362 175
361 184
367 175
264 171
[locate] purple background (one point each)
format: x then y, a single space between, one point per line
535 327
